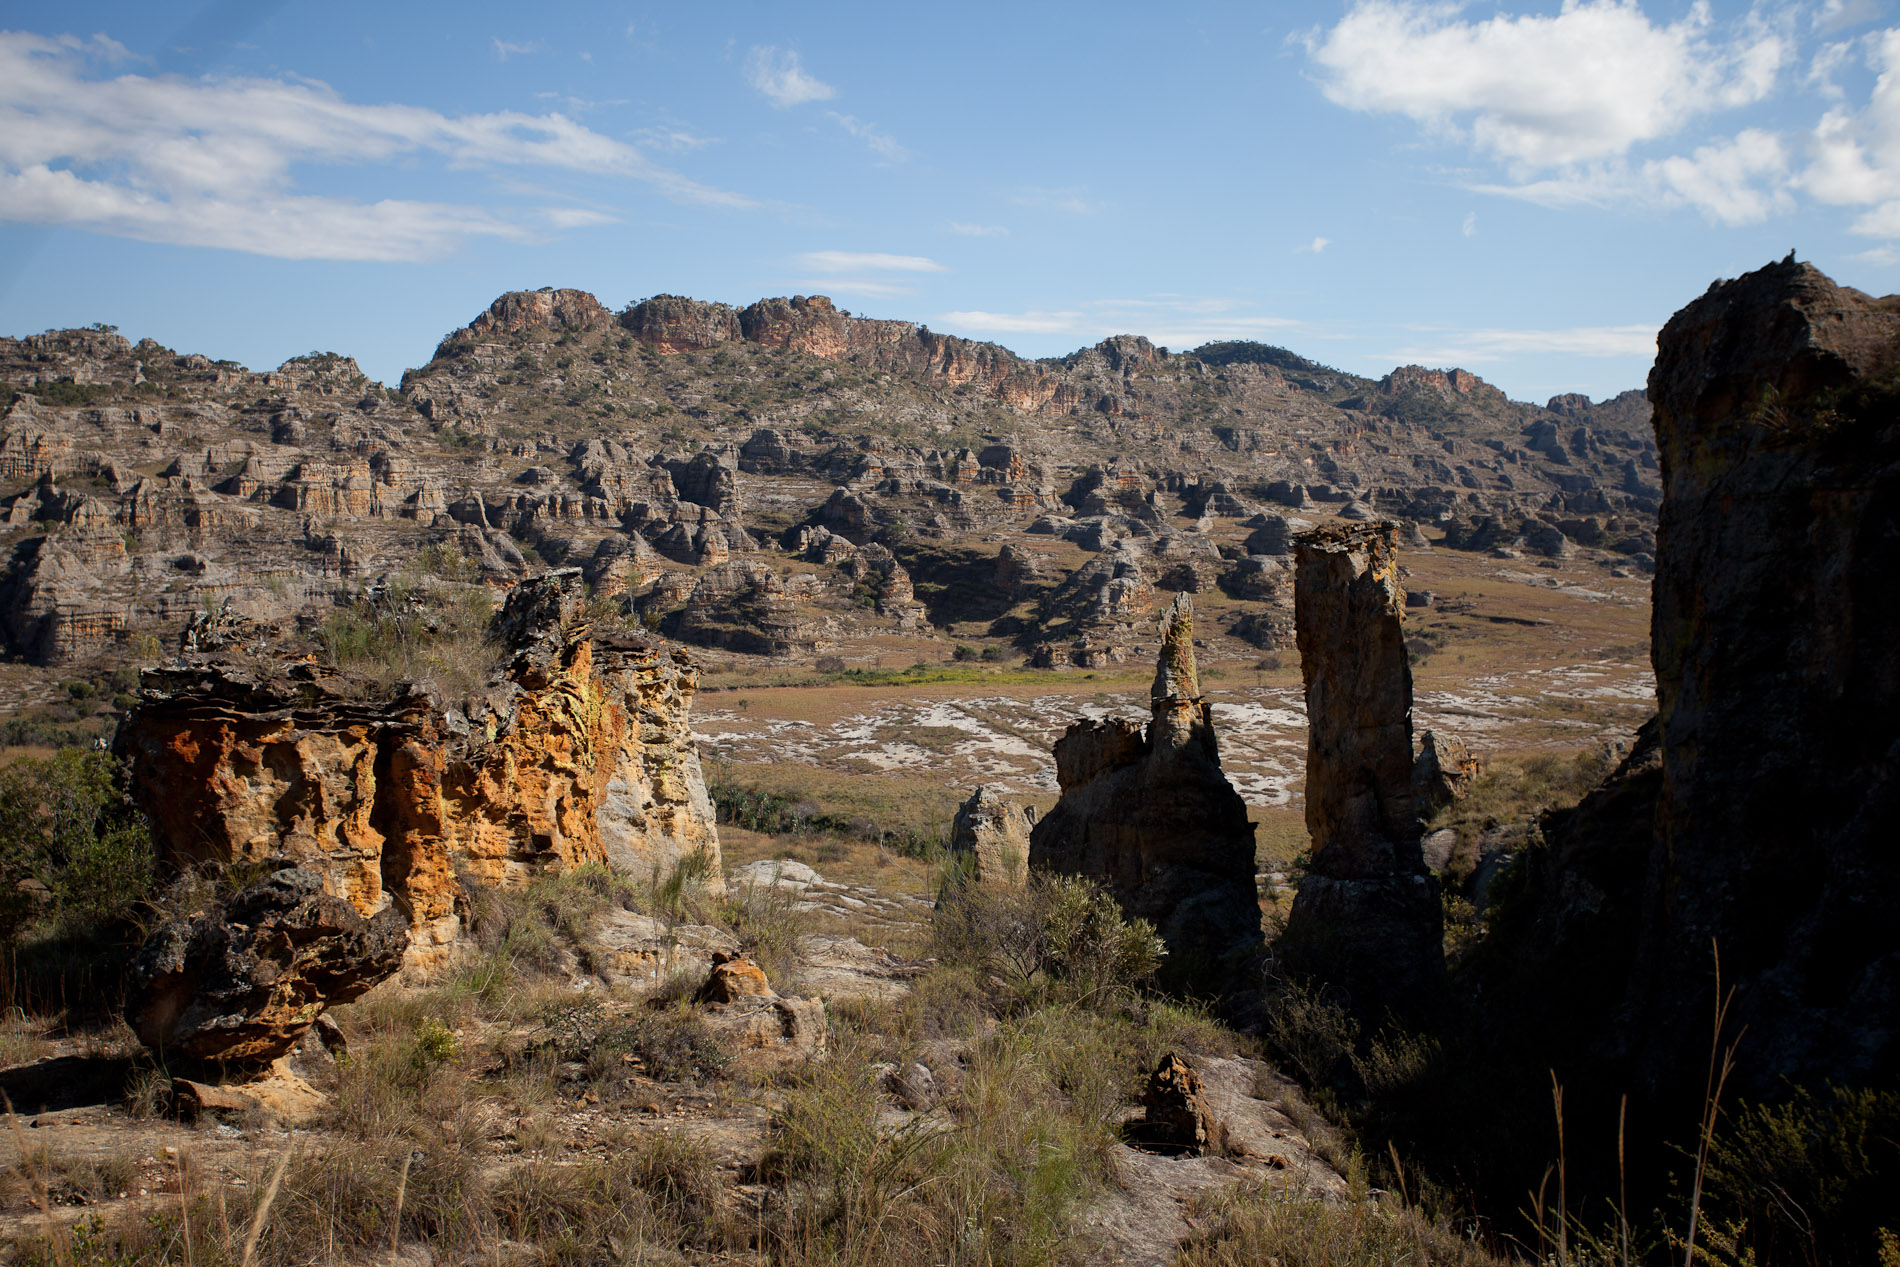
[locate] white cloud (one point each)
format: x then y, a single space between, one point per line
1856 156
1472 346
868 261
779 75
1314 247
1837 15
1032 322
208 161
1470 227
1585 84
962 229
1825 65
504 50
1739 181
878 142
678 139
576 217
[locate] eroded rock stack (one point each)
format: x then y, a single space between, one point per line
990 838
1151 816
1777 599
1367 917
578 751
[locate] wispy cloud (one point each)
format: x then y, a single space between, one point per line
1314 247
867 261
1074 200
1473 346
580 105
878 142
962 229
1034 321
677 139
576 217
1470 227
779 75
504 50
209 161
1173 321
872 274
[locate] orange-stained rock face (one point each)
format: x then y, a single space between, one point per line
581 753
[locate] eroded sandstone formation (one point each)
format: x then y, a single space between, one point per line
1777 598
579 751
1152 817
1367 918
242 979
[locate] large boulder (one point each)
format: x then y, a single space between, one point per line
243 979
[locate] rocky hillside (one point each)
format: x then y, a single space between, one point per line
783 479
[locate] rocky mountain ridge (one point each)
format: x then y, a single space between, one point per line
781 479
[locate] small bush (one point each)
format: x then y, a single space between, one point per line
1059 937
76 867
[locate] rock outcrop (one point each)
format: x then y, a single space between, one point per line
1777 597
243 979
989 839
579 751
1441 773
1152 817
1178 1117
1367 918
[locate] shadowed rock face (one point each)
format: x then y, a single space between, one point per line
1367 916
1152 817
243 980
1777 600
578 752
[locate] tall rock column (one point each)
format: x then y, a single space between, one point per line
1367 918
1777 606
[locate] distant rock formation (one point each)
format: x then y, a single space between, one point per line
990 838
578 752
1442 772
1366 919
1153 818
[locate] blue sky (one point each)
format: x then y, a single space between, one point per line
1525 190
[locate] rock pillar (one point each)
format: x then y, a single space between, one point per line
1151 815
1367 918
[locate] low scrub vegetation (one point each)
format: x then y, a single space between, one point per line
76 866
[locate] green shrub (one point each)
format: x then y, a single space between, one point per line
76 866
1057 938
1806 1181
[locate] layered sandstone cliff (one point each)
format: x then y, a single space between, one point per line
578 752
